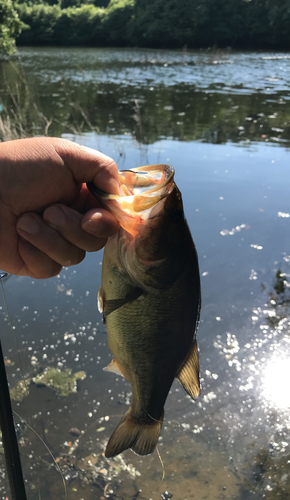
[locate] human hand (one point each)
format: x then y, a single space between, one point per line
48 218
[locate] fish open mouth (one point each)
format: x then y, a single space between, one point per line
141 189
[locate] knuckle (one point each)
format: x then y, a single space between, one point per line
76 258
46 272
97 245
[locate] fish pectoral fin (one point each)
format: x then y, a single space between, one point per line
188 375
100 300
112 305
114 367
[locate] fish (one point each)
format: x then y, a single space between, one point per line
150 299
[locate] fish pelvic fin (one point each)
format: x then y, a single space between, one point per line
188 375
114 367
134 434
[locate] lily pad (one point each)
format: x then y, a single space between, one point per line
62 382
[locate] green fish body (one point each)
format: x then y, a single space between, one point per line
150 299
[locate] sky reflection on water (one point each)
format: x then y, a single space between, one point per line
232 202
235 188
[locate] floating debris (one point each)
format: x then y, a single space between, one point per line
8 362
74 431
166 495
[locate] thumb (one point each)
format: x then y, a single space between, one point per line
88 165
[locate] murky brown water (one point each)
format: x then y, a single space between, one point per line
222 120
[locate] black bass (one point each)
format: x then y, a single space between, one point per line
150 299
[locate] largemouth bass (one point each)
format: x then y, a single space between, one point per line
150 300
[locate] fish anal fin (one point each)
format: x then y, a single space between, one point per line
114 367
188 375
138 436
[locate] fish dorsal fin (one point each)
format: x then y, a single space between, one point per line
188 375
114 368
112 305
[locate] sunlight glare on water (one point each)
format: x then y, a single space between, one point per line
275 383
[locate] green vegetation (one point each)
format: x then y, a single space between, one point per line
51 25
62 382
76 25
270 475
255 24
10 27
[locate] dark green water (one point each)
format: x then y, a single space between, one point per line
222 120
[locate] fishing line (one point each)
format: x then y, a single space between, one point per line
162 465
49 451
3 275
158 453
155 419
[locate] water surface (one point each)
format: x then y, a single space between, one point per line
222 120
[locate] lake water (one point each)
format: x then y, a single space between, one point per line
222 119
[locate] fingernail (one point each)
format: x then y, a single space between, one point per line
28 224
95 225
105 181
55 216
93 221
114 186
100 226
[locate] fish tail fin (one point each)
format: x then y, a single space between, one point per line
134 434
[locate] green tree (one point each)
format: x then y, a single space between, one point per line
79 25
173 23
117 21
65 4
279 21
42 20
10 27
224 24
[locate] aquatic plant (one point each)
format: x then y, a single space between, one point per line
62 382
270 474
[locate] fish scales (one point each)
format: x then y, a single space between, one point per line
151 330
150 298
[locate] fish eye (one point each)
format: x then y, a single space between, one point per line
175 214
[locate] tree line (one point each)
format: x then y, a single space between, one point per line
240 24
